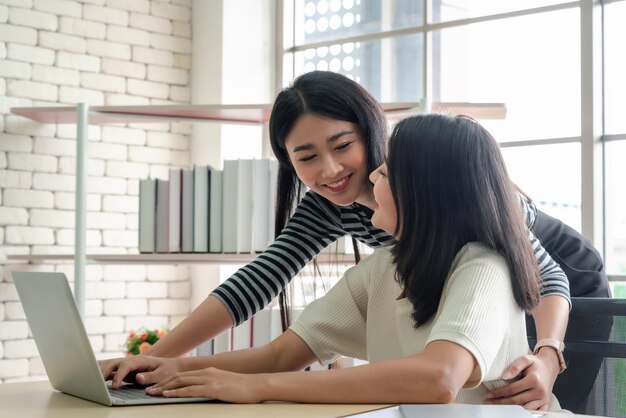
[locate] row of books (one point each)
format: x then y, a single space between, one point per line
203 209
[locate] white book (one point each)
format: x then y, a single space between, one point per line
162 191
174 210
273 182
242 336
221 343
244 206
201 209
230 227
215 210
147 215
260 204
261 328
186 211
276 327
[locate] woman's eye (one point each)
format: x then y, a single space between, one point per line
305 159
343 146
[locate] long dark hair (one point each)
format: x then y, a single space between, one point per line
329 95
451 187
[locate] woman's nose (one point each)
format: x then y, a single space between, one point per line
332 167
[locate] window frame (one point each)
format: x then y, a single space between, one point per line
591 138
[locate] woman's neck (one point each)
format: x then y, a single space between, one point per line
367 197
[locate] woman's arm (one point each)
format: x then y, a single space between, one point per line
312 228
206 321
435 375
285 353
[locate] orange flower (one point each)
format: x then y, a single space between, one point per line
144 336
131 335
143 347
161 333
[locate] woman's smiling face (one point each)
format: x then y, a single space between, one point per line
330 158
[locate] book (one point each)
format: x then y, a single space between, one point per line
161 233
222 342
215 210
242 336
230 189
186 211
273 184
260 204
244 206
147 215
261 328
175 186
200 209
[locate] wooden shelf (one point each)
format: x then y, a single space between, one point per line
186 258
253 113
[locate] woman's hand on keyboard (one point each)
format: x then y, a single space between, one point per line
143 370
212 383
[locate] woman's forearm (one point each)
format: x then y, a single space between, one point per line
285 353
434 377
206 321
551 317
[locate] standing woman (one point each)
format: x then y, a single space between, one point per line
329 133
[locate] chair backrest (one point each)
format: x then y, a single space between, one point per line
595 350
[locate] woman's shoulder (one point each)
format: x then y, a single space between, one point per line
476 252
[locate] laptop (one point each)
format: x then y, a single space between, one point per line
448 411
63 345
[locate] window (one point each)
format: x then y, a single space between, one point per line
615 137
529 55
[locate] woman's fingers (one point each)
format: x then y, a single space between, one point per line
538 405
107 367
518 366
130 366
173 385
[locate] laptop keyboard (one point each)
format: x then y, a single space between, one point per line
128 392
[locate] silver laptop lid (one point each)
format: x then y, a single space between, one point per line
60 335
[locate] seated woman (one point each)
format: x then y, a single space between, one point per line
439 315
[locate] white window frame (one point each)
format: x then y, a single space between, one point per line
591 138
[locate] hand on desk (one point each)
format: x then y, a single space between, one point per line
211 383
534 390
138 369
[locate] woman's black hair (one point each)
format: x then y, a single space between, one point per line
451 187
329 95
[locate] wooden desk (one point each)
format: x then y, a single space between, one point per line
38 399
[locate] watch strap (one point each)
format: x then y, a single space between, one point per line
558 346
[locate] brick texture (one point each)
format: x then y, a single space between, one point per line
113 52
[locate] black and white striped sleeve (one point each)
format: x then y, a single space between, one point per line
314 225
554 280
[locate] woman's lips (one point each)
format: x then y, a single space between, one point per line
340 185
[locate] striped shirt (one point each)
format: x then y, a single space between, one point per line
315 224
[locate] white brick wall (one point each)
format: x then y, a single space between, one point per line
31 54
59 7
113 52
78 61
123 68
82 28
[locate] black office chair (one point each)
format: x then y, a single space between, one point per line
595 351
